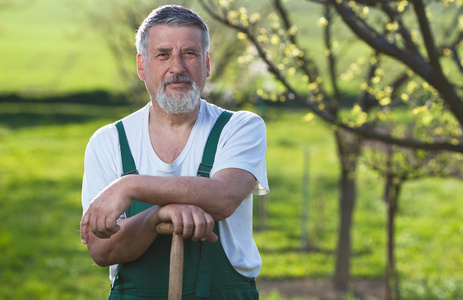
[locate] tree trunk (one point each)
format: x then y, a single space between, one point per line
391 195
348 151
390 238
347 202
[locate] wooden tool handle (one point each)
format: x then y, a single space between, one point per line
165 228
176 261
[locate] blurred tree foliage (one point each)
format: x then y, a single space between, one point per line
407 64
118 20
398 165
401 65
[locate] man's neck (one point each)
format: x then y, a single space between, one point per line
169 133
158 118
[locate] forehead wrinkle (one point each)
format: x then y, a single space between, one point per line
170 49
156 29
163 49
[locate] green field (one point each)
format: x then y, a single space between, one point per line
41 150
47 47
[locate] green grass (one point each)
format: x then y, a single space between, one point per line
428 229
48 48
41 165
40 179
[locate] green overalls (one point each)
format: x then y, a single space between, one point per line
207 272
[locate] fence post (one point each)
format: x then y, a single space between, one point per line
305 201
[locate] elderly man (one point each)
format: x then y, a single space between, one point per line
167 162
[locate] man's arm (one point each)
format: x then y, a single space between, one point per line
136 233
219 196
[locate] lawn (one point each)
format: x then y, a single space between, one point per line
47 47
41 152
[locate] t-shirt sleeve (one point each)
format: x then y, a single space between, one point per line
100 164
242 145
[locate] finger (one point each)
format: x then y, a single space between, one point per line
210 223
177 220
188 224
92 224
106 227
101 228
212 238
200 227
111 225
84 228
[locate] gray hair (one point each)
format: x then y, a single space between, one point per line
172 15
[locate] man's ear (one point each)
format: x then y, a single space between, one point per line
208 65
140 63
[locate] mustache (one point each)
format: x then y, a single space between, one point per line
177 78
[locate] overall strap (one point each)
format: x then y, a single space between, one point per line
205 166
203 283
128 164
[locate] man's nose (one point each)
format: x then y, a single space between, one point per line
177 64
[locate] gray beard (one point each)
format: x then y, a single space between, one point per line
176 105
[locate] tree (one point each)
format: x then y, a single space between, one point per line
401 42
398 165
348 144
398 69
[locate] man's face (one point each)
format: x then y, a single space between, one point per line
175 62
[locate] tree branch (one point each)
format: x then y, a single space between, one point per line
458 38
438 79
308 67
409 44
364 131
334 103
378 42
428 41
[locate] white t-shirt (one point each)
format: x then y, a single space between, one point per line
242 145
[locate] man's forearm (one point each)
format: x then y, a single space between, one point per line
218 196
138 232
135 235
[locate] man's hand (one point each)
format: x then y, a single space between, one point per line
103 212
188 220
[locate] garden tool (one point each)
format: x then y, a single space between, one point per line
176 261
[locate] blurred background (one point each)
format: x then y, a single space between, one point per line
362 101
